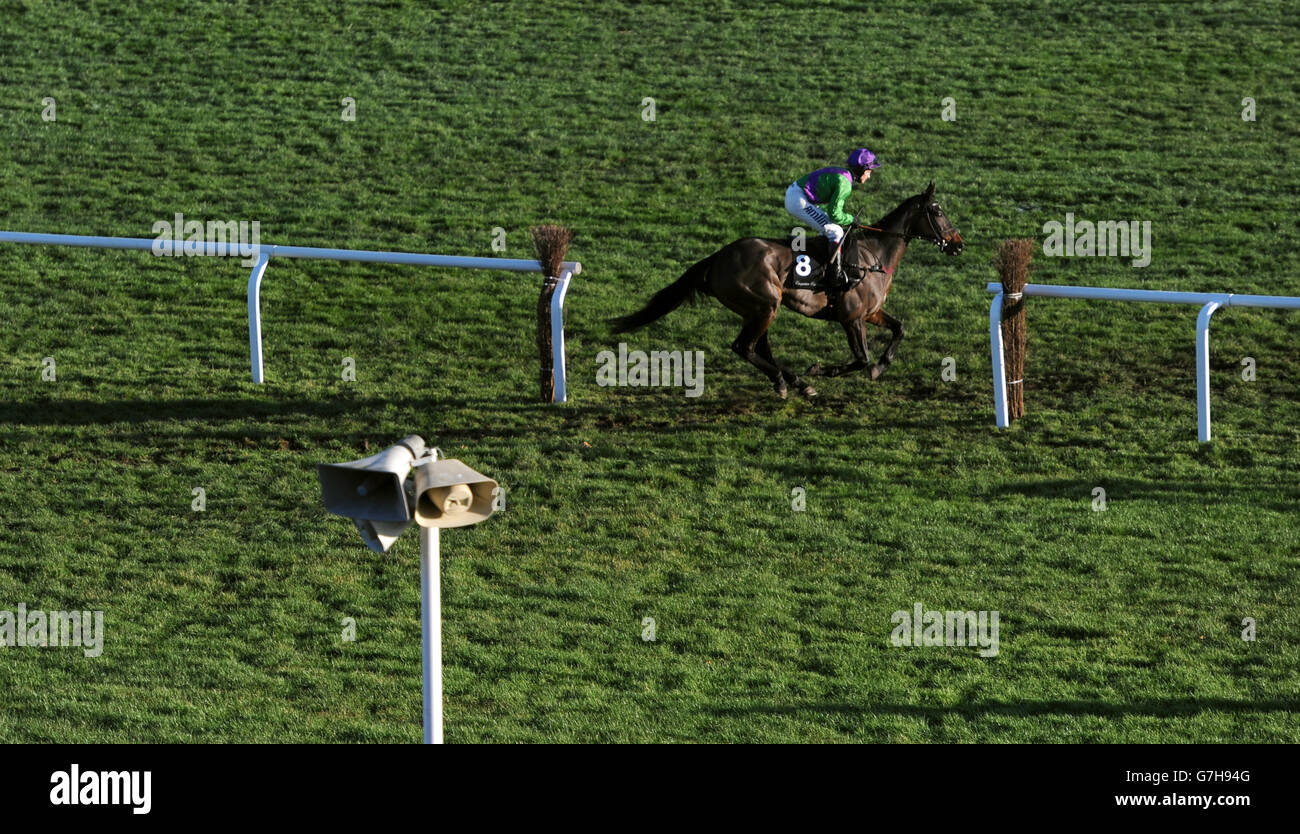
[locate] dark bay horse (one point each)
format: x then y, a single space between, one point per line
749 277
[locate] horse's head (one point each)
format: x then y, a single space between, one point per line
926 220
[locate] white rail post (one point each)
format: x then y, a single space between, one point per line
255 315
557 333
999 362
431 622
1203 368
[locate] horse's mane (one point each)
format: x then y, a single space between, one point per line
893 216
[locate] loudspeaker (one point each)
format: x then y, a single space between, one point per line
371 488
380 535
450 494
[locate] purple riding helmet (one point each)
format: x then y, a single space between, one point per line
863 160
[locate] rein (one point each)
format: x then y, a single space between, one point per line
937 240
883 231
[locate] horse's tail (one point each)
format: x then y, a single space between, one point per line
693 283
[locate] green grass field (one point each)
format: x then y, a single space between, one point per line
771 625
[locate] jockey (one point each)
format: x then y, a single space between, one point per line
818 200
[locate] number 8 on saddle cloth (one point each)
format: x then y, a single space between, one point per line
808 271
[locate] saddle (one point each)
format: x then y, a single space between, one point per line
808 272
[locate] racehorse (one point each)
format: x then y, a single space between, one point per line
754 277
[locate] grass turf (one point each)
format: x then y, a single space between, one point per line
772 625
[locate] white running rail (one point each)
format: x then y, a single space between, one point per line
267 251
1208 301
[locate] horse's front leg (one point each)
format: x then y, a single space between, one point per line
856 330
882 319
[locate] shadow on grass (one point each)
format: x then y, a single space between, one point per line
294 417
620 409
1155 707
293 420
1279 497
87 412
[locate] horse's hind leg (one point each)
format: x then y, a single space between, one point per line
882 319
746 346
765 350
857 333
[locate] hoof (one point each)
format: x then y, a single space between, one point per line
781 391
876 371
814 369
809 391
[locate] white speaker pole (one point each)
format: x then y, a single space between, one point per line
431 616
373 493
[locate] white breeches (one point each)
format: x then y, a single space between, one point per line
796 202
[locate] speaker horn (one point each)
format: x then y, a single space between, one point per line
371 488
380 535
450 494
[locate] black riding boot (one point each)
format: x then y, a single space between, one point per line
841 278
837 282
